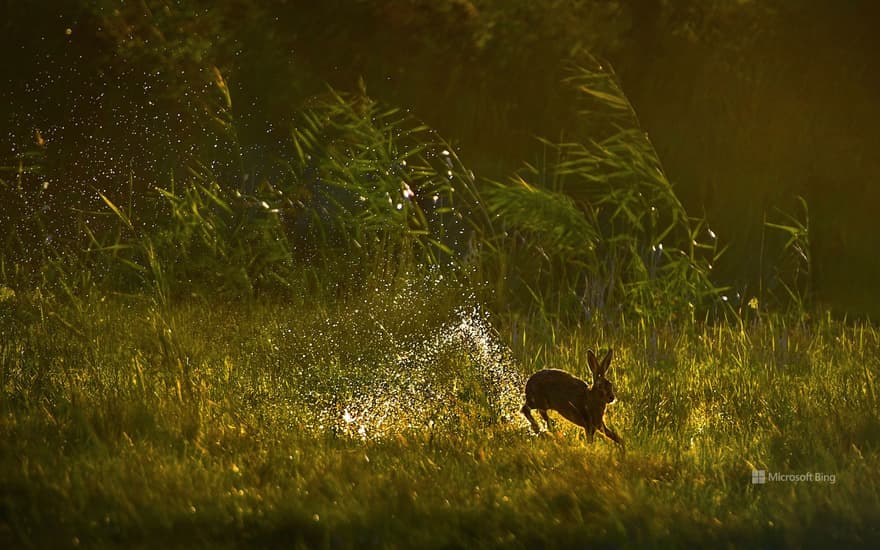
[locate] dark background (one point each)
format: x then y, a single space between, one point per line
749 104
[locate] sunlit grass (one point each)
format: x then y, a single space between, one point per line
390 419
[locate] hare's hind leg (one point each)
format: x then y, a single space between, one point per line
543 413
610 434
527 412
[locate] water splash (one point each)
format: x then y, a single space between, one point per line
428 381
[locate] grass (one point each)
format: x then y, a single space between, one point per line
389 418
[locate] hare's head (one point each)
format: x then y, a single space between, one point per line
600 368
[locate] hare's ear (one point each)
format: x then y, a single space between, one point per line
606 362
593 362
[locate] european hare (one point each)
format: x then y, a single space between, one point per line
572 398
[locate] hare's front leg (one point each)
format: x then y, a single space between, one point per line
527 412
590 434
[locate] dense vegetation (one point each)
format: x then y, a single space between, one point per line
255 289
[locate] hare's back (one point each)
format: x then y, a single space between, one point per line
550 387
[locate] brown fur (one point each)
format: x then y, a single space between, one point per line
553 389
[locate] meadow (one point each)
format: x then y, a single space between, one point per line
391 420
257 308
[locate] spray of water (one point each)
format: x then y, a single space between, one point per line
426 382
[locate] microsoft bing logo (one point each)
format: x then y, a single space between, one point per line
762 477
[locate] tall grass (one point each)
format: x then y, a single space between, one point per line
363 186
355 423
597 228
794 272
363 171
